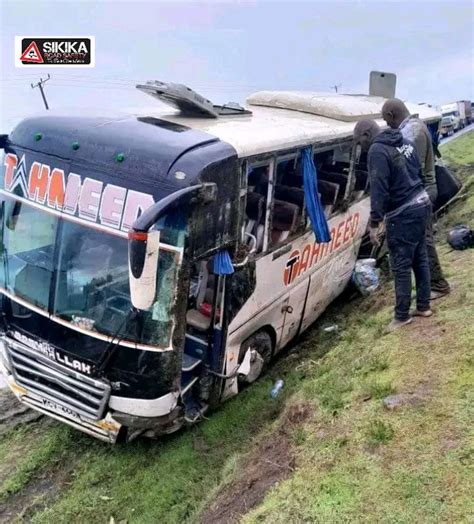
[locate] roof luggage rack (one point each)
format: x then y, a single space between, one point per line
188 101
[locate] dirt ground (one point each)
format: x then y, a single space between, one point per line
271 462
12 413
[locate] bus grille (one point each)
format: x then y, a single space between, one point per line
58 386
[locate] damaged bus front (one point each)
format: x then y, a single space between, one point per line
72 344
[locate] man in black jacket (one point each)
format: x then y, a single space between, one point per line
397 116
397 196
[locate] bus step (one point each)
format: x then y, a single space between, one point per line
194 409
190 363
187 383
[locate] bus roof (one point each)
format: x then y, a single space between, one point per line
285 119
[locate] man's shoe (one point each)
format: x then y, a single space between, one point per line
395 324
424 314
434 295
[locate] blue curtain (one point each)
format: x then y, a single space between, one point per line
313 202
222 264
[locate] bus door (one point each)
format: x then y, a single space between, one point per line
319 295
292 309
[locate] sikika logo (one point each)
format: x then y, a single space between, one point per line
32 55
312 254
112 206
55 51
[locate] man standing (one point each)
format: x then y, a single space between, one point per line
397 116
397 196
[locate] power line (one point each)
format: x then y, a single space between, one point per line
40 85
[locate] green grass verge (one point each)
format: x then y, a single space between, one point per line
459 152
354 460
33 449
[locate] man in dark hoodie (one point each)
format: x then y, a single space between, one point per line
398 197
397 116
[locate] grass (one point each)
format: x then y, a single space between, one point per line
459 152
36 450
354 460
379 432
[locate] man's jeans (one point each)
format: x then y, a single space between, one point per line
406 240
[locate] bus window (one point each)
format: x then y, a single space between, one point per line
257 197
334 176
361 185
288 204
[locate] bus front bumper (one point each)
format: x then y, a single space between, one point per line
88 406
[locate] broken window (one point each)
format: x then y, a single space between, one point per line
335 185
206 295
258 196
288 203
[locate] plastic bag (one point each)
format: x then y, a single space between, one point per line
366 276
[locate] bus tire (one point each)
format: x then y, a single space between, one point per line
262 342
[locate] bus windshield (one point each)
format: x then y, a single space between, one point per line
79 275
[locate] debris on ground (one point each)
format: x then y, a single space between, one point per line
276 388
402 400
366 276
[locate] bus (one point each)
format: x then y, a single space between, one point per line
153 265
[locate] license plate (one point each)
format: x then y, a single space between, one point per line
61 410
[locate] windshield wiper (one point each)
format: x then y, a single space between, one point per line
111 349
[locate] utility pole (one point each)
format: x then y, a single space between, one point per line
336 87
40 85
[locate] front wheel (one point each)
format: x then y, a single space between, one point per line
262 343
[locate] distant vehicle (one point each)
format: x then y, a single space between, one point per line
465 112
457 123
446 127
461 111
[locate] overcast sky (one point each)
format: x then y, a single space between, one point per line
227 50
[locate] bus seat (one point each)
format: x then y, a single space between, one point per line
197 320
204 294
285 220
293 195
254 211
337 167
292 179
336 178
328 192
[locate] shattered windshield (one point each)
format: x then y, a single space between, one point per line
27 250
80 275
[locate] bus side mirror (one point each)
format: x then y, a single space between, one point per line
144 242
143 251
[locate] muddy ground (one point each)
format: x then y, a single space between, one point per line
12 413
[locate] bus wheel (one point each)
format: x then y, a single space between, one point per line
261 343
